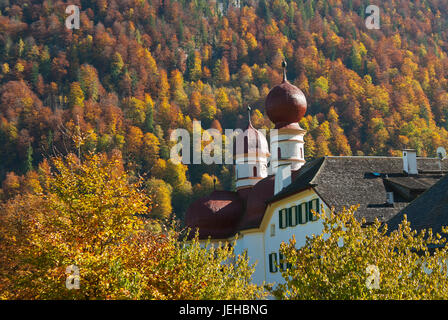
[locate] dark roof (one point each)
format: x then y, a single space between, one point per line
256 203
345 181
301 179
413 183
430 210
215 215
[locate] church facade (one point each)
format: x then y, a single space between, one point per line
278 192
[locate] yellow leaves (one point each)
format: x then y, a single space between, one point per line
396 40
323 269
195 71
19 67
251 41
355 88
150 62
76 95
5 68
272 29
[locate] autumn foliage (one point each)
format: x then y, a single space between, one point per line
351 260
136 70
91 215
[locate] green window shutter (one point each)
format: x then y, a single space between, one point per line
280 219
317 205
282 216
289 217
276 262
299 212
310 207
281 262
285 218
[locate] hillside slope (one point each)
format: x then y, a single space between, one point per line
136 69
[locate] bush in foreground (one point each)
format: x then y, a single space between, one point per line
86 214
351 260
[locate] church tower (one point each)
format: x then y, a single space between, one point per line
251 157
285 106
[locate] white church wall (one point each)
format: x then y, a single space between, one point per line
300 231
253 242
260 243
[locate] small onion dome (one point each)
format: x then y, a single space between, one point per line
251 142
285 103
216 215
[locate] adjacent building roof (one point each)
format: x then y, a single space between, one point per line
256 203
430 210
345 181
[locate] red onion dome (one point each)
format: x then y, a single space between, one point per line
285 103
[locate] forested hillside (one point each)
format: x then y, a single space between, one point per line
137 69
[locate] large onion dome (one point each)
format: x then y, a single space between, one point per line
285 103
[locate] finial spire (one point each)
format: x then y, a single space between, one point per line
284 64
249 109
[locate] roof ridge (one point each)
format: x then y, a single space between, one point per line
359 157
318 170
383 157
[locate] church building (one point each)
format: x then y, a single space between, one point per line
277 190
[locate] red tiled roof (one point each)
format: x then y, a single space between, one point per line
215 215
256 203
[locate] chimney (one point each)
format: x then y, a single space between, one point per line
282 178
410 161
